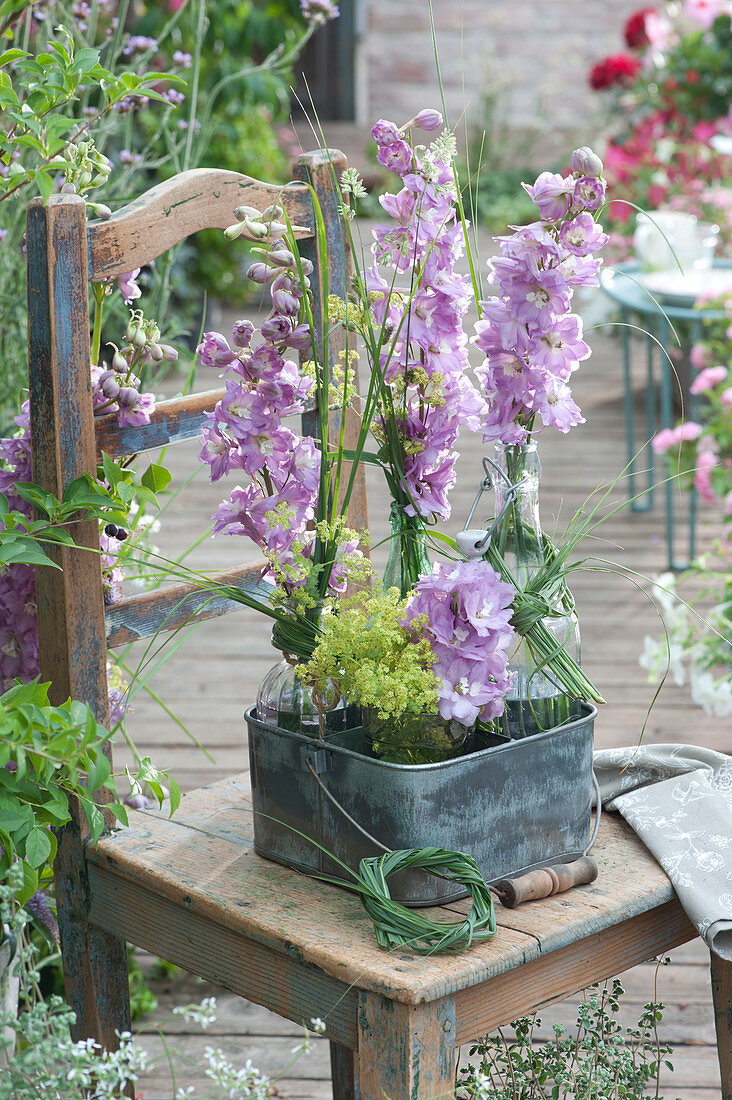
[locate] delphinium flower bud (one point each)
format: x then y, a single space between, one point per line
300 339
284 295
109 384
427 119
277 328
119 362
281 257
261 273
243 212
585 162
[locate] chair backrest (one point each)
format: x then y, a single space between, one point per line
64 254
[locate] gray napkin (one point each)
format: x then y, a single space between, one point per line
678 799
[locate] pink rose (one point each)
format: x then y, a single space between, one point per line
671 437
707 379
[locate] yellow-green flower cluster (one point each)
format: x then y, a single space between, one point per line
370 657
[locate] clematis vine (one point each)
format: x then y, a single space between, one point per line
532 341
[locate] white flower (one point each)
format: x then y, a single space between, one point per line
317 1025
203 1014
658 654
715 696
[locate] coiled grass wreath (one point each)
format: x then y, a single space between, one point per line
395 925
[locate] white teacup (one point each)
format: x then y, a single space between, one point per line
665 240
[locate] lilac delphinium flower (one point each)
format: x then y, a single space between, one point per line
464 610
128 286
532 341
424 359
246 429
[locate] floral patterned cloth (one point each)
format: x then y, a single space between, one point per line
678 798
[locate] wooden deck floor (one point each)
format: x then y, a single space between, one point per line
212 678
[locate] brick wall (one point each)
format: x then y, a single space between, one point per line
533 55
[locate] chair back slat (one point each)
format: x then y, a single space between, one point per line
145 614
173 421
71 632
203 198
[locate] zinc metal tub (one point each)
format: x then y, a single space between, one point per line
512 805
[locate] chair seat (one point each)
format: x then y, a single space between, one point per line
197 892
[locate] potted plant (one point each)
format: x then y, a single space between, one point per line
430 654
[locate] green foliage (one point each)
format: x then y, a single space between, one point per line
70 96
366 648
246 50
696 77
600 1061
47 755
22 540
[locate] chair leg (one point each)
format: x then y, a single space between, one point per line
406 1052
94 962
344 1072
722 997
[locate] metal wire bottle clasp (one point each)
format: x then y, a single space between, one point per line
473 542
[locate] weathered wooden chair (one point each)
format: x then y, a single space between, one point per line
64 254
192 889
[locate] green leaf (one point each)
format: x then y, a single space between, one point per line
23 550
30 883
37 847
94 817
8 851
4 506
174 795
85 492
12 55
112 470
118 811
34 494
98 773
156 478
85 59
15 815
45 183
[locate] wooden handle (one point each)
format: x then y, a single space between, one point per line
545 882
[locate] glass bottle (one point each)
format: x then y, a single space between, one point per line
407 559
537 701
285 701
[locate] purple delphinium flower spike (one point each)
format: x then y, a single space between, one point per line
532 342
38 907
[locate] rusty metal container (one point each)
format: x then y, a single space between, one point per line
512 805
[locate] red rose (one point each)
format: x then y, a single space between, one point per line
692 76
636 37
620 68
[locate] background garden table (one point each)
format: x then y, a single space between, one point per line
306 949
644 316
